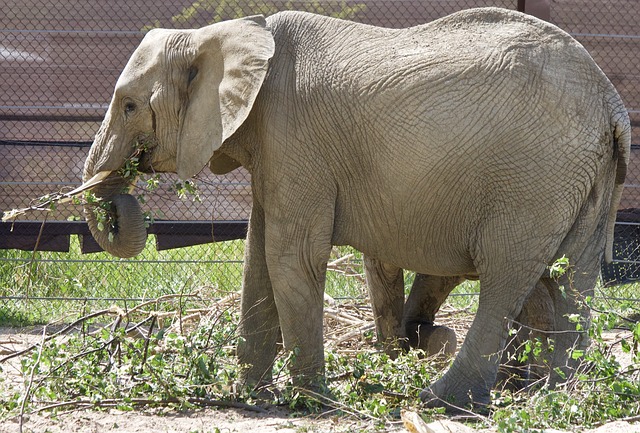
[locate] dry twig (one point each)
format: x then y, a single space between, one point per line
112 310
27 393
197 401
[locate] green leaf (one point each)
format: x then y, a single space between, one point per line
202 366
372 388
559 267
626 347
560 373
577 354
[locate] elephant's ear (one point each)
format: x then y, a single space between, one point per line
230 63
222 164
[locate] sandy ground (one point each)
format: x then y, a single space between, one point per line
201 421
233 421
209 420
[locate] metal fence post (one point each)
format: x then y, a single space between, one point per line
538 8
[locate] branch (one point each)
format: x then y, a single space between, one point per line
198 401
48 201
111 310
30 383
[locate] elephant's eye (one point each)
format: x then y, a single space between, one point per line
129 108
193 71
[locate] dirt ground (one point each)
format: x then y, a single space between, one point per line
233 421
201 421
209 420
206 420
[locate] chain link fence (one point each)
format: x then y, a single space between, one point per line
60 60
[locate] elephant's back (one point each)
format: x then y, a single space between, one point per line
477 25
479 46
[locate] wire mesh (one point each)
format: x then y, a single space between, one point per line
60 60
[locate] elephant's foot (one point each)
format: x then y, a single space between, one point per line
434 340
311 380
266 395
456 396
253 376
261 389
514 375
317 393
263 393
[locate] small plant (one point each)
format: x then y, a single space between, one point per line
602 390
178 354
374 385
559 267
103 211
130 363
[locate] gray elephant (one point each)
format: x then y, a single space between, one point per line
400 326
485 143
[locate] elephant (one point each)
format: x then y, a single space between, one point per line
400 327
485 143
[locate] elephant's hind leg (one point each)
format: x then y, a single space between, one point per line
569 294
535 323
428 293
399 324
584 247
504 287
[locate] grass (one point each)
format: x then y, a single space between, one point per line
99 280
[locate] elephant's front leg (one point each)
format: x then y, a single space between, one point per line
297 255
259 328
428 293
386 291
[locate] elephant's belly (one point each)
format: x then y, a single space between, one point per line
414 223
431 262
427 255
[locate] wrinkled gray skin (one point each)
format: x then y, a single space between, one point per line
398 329
486 143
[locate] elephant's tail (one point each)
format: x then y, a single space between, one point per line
621 129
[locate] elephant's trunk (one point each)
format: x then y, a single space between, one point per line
120 230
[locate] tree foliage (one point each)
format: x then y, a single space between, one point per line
220 10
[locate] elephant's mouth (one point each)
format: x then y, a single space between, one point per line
144 147
145 162
148 157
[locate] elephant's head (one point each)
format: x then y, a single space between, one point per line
180 96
